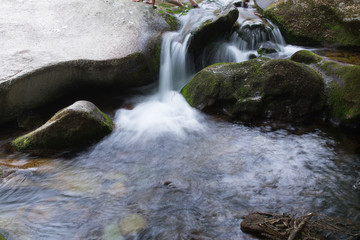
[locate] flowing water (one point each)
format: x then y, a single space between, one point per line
170 172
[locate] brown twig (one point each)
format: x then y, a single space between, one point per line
301 225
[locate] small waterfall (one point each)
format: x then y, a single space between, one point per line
174 63
251 35
166 112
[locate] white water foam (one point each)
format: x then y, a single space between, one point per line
166 112
156 117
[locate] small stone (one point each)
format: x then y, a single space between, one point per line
116 189
112 232
132 223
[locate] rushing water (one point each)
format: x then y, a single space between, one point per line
187 175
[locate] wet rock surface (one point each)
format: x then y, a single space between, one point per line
212 29
311 22
258 88
49 48
80 123
343 93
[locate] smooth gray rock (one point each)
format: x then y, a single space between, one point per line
52 47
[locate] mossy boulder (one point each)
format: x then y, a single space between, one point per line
343 92
313 22
305 56
212 29
71 127
258 88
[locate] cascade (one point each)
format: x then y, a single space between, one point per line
167 111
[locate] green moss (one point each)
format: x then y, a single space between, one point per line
22 143
339 107
170 19
310 22
304 56
344 97
344 35
154 61
108 123
2 237
187 96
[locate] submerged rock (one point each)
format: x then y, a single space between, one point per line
112 232
309 22
132 223
258 88
52 48
78 124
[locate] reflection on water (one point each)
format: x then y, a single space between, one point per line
196 184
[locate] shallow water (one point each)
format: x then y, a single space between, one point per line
179 174
191 179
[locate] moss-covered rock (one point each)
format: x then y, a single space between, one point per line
343 92
305 56
258 88
78 124
311 22
171 20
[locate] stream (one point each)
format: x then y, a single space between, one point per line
177 173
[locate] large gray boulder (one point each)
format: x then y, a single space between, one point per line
78 124
49 48
259 88
309 22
